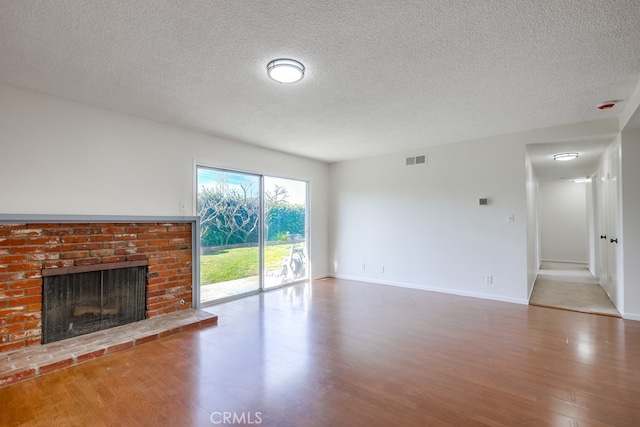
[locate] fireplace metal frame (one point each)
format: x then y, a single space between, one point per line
60 320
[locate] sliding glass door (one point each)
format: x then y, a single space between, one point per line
285 231
253 232
229 205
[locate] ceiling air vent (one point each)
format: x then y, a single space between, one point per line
416 160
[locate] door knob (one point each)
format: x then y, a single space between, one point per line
614 240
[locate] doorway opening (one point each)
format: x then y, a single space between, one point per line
568 276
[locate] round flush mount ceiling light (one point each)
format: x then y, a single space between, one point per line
563 157
285 70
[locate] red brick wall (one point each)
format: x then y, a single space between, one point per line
25 249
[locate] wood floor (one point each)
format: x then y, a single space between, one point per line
341 353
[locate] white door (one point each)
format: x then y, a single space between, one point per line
612 227
603 242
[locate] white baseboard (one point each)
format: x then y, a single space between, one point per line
631 316
521 301
565 261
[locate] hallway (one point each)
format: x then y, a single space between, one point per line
570 286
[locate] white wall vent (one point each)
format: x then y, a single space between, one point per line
416 160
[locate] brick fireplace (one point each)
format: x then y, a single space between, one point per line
27 249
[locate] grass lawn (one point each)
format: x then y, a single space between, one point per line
231 264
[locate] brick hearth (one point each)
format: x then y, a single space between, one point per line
32 361
27 249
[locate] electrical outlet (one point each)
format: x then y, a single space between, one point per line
488 280
362 266
382 269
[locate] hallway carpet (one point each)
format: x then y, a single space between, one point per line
571 287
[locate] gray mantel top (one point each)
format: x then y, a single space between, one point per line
46 218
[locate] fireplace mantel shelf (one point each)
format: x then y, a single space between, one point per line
65 218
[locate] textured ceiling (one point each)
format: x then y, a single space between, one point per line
382 76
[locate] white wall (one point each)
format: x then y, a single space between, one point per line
61 157
630 174
563 222
424 223
533 232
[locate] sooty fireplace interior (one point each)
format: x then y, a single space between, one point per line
80 300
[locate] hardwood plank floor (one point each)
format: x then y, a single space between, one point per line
343 353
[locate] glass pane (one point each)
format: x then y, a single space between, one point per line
229 208
285 253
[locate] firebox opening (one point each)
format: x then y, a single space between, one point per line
79 303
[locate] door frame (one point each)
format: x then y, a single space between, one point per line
261 234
